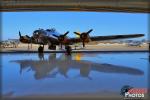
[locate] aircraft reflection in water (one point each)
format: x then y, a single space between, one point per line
49 68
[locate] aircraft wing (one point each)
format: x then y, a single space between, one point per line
113 37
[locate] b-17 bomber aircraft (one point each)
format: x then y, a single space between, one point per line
52 38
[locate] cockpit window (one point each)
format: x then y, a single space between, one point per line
52 31
35 32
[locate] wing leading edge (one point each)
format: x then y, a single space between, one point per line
101 38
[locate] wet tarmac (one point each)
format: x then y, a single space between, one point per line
51 74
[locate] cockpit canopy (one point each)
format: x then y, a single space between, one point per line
47 32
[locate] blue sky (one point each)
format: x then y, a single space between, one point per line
103 23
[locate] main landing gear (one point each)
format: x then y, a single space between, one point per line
52 47
68 49
41 49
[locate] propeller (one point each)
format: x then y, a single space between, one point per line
21 37
25 39
84 36
61 38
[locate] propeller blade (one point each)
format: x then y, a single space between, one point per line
77 33
27 36
19 33
66 33
55 35
90 31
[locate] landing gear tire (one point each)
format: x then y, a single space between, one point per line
68 49
51 47
40 49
